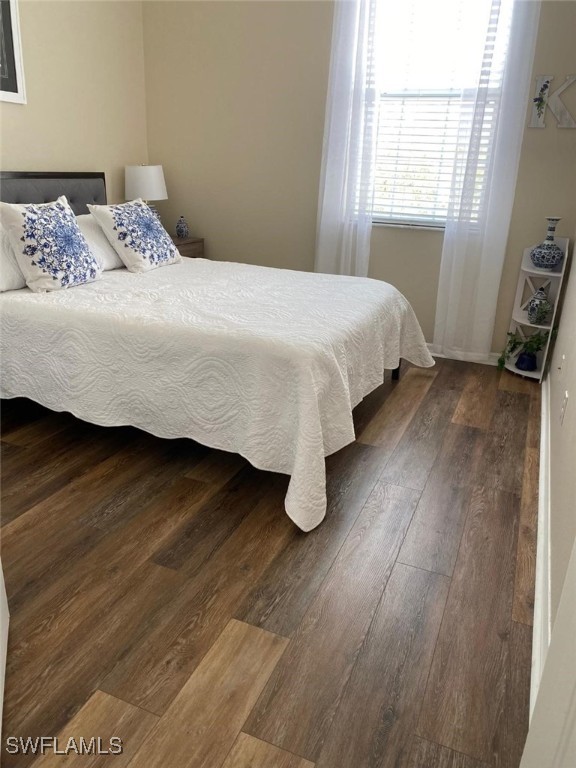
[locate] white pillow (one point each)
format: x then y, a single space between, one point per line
98 243
50 249
136 235
11 277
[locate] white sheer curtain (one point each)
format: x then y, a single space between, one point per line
489 142
348 154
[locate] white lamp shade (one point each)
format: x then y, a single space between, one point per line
145 181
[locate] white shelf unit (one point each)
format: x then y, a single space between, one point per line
529 280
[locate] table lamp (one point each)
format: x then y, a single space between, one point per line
145 181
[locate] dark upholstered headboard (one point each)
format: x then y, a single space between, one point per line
41 187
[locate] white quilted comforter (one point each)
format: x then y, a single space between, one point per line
263 362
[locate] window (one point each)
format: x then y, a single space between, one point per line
430 56
417 135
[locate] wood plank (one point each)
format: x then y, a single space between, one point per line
512 727
523 607
510 382
102 716
112 561
34 547
425 754
76 603
90 603
502 463
43 469
8 450
40 429
156 668
433 539
38 702
18 411
43 452
466 686
219 511
389 423
367 407
284 592
534 416
109 472
218 467
477 401
434 535
459 457
413 458
173 459
205 718
451 374
399 644
249 752
297 707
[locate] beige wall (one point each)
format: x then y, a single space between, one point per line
547 174
232 104
84 74
546 186
236 94
551 741
410 260
240 137
563 445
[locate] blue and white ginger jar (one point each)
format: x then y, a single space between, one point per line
182 229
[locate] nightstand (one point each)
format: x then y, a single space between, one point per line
191 247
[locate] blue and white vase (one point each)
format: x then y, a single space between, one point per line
548 255
539 307
182 228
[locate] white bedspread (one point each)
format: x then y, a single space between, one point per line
263 362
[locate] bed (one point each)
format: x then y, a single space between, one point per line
264 362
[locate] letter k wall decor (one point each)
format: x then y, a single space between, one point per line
545 98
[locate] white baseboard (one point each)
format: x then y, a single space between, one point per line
490 359
542 629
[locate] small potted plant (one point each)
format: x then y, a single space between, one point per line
526 349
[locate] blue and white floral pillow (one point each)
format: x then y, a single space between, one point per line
136 235
11 277
50 249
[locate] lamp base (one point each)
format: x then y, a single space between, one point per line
153 209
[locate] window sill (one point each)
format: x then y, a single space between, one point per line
417 227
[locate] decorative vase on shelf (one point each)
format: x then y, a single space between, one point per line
527 361
539 307
182 228
548 255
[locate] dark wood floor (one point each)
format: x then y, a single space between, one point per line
160 594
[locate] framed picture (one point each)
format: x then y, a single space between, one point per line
11 69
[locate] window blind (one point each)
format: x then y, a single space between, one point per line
429 76
417 147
